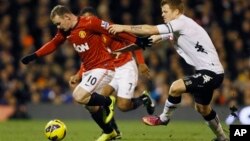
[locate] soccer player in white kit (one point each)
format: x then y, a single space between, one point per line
195 46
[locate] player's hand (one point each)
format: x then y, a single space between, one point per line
29 58
155 38
143 42
115 28
74 80
144 70
116 54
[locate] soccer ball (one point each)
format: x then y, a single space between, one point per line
55 130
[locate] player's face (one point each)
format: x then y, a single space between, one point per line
168 14
62 22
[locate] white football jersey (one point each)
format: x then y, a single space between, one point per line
193 44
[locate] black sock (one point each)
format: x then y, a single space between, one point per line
98 117
210 116
99 100
114 125
137 102
174 100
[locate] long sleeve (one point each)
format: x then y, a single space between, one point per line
50 46
139 56
100 26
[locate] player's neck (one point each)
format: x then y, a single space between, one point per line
177 16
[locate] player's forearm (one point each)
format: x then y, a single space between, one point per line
139 56
46 49
127 37
141 29
50 46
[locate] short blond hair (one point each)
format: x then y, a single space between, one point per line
59 10
174 4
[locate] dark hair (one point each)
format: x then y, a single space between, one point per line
89 10
174 4
59 10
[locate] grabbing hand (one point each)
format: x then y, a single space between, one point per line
155 38
26 59
115 28
143 42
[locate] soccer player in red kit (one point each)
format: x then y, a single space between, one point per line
122 83
84 34
125 78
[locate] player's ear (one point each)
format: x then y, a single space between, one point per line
176 11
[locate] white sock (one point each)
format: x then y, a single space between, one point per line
216 127
168 110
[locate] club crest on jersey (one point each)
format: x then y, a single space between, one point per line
82 34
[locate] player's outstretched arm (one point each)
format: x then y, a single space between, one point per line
46 49
160 37
135 29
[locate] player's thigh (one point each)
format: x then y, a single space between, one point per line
127 78
203 97
202 84
92 109
107 90
96 79
203 80
177 87
81 95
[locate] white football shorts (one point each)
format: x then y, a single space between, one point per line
125 80
94 80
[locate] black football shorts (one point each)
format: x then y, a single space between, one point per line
202 84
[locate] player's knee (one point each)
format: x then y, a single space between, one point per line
177 88
81 96
124 105
92 109
203 110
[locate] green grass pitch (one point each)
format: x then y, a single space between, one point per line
86 130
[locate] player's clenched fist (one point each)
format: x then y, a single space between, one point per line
74 80
29 58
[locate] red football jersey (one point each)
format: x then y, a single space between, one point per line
87 41
115 45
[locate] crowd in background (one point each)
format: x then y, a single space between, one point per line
25 26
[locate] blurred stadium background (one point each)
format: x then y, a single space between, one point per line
25 26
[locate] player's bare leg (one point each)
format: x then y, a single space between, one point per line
97 113
84 97
81 96
125 104
115 126
212 120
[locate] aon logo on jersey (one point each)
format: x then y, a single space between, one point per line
81 48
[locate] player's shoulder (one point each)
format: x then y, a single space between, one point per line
87 18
